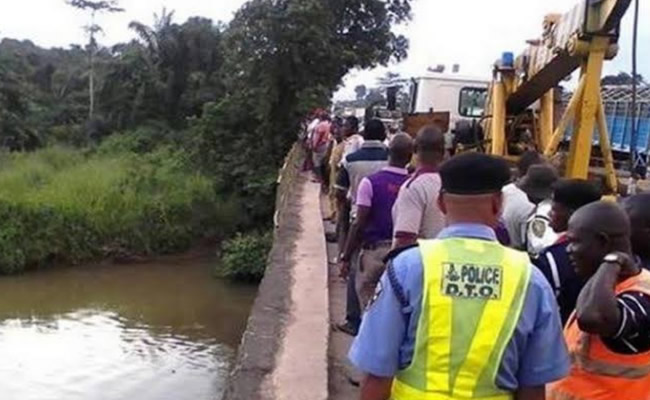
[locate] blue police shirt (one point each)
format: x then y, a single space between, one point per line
536 354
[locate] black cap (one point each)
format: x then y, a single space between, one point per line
474 173
575 193
538 182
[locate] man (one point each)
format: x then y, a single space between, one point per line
416 214
351 143
370 158
353 140
609 334
393 130
638 209
335 159
373 227
538 186
462 316
568 196
307 139
320 142
516 206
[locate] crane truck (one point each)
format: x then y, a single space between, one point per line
517 108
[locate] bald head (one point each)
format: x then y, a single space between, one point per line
638 210
430 145
400 150
596 230
602 216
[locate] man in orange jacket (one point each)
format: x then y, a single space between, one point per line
608 335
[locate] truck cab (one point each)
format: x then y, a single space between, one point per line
463 97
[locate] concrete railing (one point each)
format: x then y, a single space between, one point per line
287 181
283 353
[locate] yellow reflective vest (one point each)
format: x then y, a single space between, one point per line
473 295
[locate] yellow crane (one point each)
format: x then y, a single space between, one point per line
581 39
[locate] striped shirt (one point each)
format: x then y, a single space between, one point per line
633 335
369 159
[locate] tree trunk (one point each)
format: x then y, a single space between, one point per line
91 78
91 85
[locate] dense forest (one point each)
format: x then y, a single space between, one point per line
147 146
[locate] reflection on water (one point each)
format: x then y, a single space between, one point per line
164 331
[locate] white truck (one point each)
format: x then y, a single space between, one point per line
462 96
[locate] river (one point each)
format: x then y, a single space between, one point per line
165 330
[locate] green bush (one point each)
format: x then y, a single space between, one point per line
60 205
144 139
244 257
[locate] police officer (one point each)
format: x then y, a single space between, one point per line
462 317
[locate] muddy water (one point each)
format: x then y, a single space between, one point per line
159 331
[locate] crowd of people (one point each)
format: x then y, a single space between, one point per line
464 281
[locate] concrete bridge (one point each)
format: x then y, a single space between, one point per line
289 351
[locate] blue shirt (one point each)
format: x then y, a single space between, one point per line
536 354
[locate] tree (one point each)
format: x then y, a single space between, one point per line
284 58
15 133
391 79
361 91
622 79
94 7
183 57
394 79
375 96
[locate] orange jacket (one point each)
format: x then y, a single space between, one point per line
597 373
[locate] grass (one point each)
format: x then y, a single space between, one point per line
64 205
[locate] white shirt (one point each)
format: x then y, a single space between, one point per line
351 144
416 208
539 234
516 211
311 128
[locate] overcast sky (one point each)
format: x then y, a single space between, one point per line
472 33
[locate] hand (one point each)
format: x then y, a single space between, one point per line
344 269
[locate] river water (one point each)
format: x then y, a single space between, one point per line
160 331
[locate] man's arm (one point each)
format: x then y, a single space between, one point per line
377 388
342 187
342 184
597 310
404 239
409 211
353 241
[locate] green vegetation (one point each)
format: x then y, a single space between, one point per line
244 256
61 205
173 136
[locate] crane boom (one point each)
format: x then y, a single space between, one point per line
547 62
583 38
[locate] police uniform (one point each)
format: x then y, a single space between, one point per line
461 316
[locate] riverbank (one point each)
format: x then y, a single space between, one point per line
61 205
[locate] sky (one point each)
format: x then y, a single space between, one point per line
472 33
